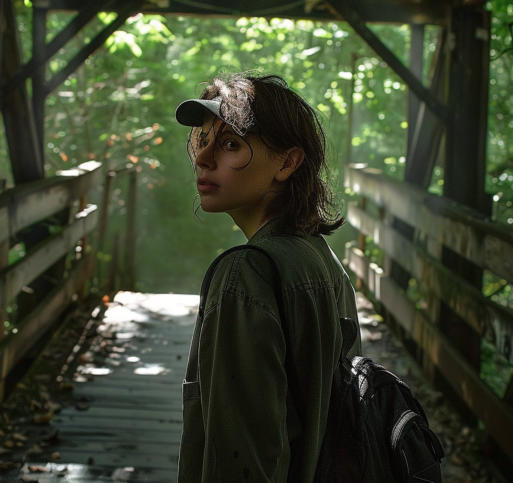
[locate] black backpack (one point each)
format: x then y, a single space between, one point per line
377 431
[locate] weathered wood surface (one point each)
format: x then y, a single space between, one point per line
132 423
496 415
32 202
482 314
487 244
15 277
15 346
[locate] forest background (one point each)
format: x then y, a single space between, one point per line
118 108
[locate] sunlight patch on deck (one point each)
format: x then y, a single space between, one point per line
125 420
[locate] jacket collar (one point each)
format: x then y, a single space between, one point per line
272 227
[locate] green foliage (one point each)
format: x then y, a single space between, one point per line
500 121
495 369
118 108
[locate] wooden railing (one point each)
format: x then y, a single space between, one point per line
20 208
121 268
436 222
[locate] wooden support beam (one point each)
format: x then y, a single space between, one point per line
4 261
427 131
349 11
21 135
2 28
349 143
131 233
126 11
416 66
465 162
39 74
465 165
421 11
84 16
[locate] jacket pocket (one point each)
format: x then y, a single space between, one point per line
190 462
190 390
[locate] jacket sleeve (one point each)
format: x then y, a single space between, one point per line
243 387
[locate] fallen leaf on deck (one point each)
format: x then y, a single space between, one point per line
38 469
81 405
36 449
42 418
86 357
7 465
19 437
66 386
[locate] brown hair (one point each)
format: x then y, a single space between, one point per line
283 119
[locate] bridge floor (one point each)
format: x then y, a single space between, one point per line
123 420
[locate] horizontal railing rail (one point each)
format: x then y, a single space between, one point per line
436 223
22 207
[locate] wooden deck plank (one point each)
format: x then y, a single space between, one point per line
131 416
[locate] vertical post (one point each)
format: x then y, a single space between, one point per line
17 112
347 160
131 233
416 67
105 208
362 243
104 215
4 260
465 165
113 272
39 77
2 28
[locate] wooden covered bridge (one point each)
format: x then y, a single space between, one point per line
439 245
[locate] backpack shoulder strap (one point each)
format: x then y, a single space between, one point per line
207 279
293 378
348 326
192 366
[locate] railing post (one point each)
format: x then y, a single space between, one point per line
113 272
362 244
131 233
105 208
4 260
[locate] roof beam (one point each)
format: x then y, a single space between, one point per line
349 11
397 11
84 16
20 132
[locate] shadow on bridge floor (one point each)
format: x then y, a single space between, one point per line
123 420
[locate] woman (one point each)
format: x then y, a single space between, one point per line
257 388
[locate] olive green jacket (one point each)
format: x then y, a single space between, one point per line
241 423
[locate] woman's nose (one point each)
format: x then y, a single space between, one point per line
205 157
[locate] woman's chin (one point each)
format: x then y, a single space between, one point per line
209 208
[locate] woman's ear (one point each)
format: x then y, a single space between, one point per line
290 160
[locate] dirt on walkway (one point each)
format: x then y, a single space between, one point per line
27 433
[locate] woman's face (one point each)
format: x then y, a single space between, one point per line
235 174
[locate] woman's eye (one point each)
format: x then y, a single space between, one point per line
230 144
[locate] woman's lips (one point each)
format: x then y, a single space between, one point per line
206 186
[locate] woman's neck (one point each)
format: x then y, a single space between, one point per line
250 226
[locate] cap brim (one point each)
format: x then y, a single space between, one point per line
192 112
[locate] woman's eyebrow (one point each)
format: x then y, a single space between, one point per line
227 129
